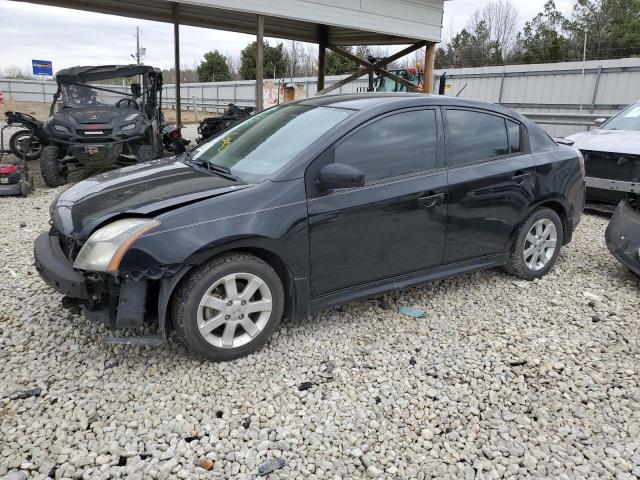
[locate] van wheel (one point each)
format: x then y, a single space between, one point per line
228 307
53 173
537 245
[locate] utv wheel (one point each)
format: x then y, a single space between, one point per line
228 307
145 153
18 144
53 173
537 245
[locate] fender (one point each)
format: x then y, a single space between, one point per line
297 286
562 209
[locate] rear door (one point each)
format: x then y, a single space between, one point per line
393 225
491 181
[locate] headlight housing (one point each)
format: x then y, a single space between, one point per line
128 127
106 246
60 128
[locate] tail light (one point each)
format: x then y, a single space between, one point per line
8 169
583 169
174 134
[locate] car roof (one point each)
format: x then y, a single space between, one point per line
376 100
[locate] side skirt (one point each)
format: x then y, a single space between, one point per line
405 281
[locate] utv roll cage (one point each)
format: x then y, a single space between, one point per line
150 93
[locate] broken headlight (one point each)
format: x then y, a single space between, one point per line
106 246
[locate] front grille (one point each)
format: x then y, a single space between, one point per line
95 133
69 246
612 166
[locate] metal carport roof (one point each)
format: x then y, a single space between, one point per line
349 22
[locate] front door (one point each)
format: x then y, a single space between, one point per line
393 225
491 182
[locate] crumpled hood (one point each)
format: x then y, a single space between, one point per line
617 141
140 190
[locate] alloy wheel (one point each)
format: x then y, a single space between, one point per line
234 310
540 244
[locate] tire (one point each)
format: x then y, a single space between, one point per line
145 153
229 331
14 145
53 174
533 238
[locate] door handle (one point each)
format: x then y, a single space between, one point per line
431 199
520 177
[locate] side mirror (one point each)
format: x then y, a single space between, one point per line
599 121
339 175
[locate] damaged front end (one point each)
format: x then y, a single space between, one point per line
623 236
122 300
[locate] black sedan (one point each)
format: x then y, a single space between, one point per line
310 205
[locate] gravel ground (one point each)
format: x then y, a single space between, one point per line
502 378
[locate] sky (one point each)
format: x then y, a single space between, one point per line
70 37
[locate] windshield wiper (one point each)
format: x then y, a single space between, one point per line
187 157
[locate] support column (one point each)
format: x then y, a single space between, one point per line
260 64
322 55
429 67
176 49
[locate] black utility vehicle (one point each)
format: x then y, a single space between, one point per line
309 205
97 126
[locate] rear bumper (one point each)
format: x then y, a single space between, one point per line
623 237
56 269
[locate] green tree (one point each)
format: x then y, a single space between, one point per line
336 64
544 38
274 59
214 68
612 28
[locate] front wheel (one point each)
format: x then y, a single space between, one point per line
53 173
537 245
228 307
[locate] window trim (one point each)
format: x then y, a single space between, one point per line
328 156
524 142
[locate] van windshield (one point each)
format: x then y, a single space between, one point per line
264 143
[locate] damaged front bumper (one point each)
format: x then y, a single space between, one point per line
118 303
623 237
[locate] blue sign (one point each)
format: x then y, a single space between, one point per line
42 67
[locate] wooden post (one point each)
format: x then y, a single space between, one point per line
260 65
429 67
322 55
176 49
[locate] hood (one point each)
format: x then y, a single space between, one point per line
93 114
617 141
140 190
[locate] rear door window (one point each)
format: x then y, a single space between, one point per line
475 136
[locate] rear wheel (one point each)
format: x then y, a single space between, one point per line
537 245
22 145
53 173
229 307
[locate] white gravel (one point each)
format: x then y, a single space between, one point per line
502 378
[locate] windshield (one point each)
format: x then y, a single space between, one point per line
79 95
266 142
628 119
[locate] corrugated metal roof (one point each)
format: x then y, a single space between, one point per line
350 22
